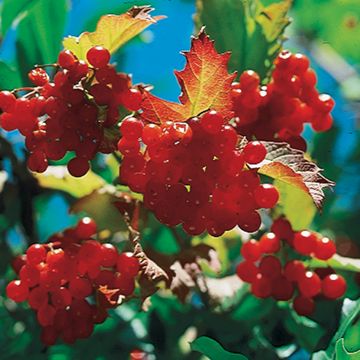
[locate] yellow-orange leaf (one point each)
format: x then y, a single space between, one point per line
112 31
205 84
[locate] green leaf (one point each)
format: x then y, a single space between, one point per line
352 337
100 205
350 311
13 10
39 34
253 35
291 200
58 178
307 332
343 354
338 25
10 78
337 262
252 309
213 350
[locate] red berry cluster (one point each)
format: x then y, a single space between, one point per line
271 277
73 112
279 110
192 173
71 282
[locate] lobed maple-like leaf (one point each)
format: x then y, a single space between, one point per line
205 84
112 31
252 30
290 166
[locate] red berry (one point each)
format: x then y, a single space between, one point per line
85 228
128 264
131 128
322 123
80 288
35 254
98 56
49 335
79 71
90 253
304 306
83 329
78 167
325 103
261 287
300 62
254 152
282 228
55 259
310 284
325 249
333 286
151 134
251 250
66 59
250 222
17 291
125 284
50 279
294 270
248 179
37 161
249 80
181 131
18 262
266 196
131 99
38 77
305 242
29 275
46 315
128 147
109 255
270 267
269 243
212 122
309 78
38 297
99 316
247 271
137 354
282 289
105 277
8 121
61 298
7 101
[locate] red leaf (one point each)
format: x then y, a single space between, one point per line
205 84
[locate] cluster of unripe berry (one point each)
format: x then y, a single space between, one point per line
273 275
279 110
192 173
71 281
75 111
